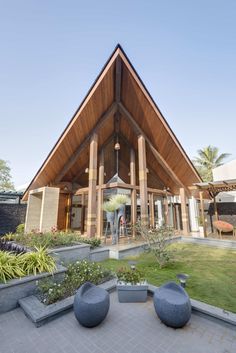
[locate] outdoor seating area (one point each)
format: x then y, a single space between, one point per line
132 327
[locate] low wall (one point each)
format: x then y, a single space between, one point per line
11 215
16 289
219 243
73 253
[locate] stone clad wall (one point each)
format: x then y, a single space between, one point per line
11 215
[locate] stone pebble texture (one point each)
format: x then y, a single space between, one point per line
11 215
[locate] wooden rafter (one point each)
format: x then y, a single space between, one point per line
156 154
118 79
122 137
111 110
82 169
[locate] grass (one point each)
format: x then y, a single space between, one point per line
212 271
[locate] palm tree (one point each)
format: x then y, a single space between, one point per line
208 158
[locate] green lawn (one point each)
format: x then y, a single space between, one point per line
212 271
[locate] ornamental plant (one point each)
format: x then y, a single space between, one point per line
77 273
51 239
115 202
12 247
9 266
37 262
157 242
130 276
20 265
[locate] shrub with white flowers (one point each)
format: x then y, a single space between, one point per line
77 273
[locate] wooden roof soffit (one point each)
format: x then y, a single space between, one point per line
118 79
141 85
122 137
85 165
110 111
156 154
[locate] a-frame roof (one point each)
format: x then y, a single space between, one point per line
118 88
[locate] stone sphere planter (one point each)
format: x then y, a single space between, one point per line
172 305
91 305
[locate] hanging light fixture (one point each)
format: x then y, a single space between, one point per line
117 146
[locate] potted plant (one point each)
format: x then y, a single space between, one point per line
110 208
131 285
115 209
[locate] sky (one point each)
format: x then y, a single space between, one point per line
51 52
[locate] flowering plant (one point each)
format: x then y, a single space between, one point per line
130 276
77 273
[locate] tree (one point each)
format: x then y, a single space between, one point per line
208 158
5 176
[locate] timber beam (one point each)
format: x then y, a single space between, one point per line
156 154
118 80
110 111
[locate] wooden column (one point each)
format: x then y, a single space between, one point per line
91 220
143 179
215 208
166 210
100 195
133 191
184 211
151 210
68 210
174 217
82 212
202 212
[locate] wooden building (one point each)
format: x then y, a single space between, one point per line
117 141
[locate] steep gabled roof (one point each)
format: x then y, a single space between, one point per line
118 87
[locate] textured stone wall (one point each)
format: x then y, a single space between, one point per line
10 216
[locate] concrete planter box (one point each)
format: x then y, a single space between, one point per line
97 255
132 293
16 289
69 254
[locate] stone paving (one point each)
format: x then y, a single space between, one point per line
128 328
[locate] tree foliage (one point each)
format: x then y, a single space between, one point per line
208 158
5 176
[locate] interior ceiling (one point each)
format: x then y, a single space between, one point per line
136 99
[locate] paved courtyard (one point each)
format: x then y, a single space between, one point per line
128 328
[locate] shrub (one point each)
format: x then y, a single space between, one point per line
19 265
157 242
130 276
20 228
93 242
9 236
37 262
77 274
115 202
52 239
11 247
9 266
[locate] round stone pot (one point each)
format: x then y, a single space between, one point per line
172 305
91 305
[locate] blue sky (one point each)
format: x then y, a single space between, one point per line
51 52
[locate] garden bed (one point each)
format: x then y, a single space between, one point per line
40 313
16 289
69 254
